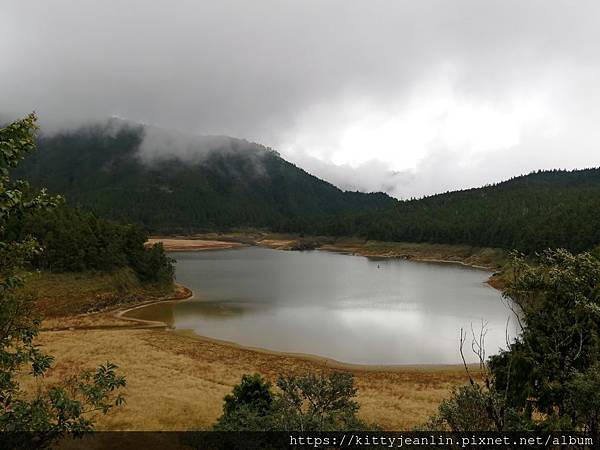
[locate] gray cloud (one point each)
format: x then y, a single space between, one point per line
410 97
158 143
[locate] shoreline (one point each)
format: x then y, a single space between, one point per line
385 250
416 259
327 362
189 378
125 314
174 245
192 245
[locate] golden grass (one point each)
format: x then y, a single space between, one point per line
487 258
277 244
177 382
187 244
61 294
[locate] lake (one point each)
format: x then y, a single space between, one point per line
349 308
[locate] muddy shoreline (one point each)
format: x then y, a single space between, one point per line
190 244
429 253
128 314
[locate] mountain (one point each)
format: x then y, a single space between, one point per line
544 209
124 171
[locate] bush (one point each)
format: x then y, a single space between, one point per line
583 403
548 379
465 410
318 403
303 403
248 407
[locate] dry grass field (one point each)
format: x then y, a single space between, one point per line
177 382
181 245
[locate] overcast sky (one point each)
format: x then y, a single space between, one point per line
410 97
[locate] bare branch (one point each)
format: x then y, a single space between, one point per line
463 337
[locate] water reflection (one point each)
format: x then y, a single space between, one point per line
348 308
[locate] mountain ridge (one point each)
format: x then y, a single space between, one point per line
221 183
226 183
543 209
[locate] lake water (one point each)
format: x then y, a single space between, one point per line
349 308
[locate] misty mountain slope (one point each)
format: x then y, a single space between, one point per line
221 182
532 212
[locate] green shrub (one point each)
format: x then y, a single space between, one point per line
303 403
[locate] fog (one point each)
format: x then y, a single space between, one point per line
407 97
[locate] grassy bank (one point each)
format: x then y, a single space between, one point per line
488 258
67 294
176 382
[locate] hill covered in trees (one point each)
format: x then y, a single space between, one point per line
544 209
219 183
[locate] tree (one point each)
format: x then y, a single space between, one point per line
62 408
306 402
548 378
559 300
249 406
318 403
75 240
583 401
466 410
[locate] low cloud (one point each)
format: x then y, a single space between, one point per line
409 97
159 143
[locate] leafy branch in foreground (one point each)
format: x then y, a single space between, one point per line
64 408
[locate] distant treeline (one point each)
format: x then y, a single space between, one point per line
545 209
223 183
76 241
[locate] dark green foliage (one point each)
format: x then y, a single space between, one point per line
583 400
464 411
549 209
253 392
241 184
60 409
235 184
64 408
559 298
153 265
548 379
248 407
75 241
303 403
318 403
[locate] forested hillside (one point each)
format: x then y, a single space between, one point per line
544 209
223 183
